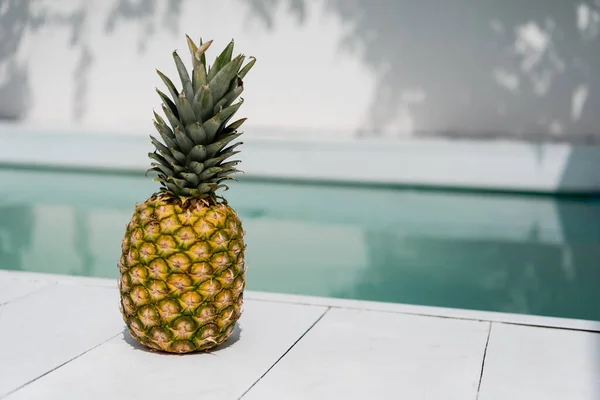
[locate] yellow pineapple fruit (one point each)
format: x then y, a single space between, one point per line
182 271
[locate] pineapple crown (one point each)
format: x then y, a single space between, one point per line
191 160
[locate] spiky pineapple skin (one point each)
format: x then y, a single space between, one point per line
182 274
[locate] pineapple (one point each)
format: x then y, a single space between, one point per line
182 271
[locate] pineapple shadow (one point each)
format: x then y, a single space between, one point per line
233 339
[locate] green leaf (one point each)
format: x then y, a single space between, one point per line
177 168
193 49
183 142
163 160
228 99
203 103
185 111
179 156
208 173
216 66
181 183
207 187
212 126
173 119
188 90
227 172
161 121
222 79
160 147
198 78
223 186
169 85
191 178
216 160
198 153
230 164
196 167
225 56
168 102
236 124
230 148
200 55
196 133
173 188
247 67
215 147
166 133
159 167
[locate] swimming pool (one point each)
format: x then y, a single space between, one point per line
510 253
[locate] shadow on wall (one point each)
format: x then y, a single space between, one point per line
19 16
580 174
512 68
509 68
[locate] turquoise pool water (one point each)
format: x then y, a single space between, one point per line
521 254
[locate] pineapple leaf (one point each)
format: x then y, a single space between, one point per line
181 183
203 103
166 133
234 125
212 69
173 119
173 188
185 110
183 142
209 173
220 61
196 133
230 148
212 126
177 168
164 150
200 55
193 179
169 83
196 167
229 98
225 173
179 156
230 164
207 187
217 160
222 79
162 122
189 192
163 160
184 76
168 102
225 56
201 50
198 77
198 153
247 67
158 167
193 49
215 147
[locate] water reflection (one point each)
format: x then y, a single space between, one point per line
16 233
531 255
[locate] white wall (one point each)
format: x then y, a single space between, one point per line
398 67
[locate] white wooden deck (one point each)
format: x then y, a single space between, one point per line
63 338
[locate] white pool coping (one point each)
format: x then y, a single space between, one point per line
499 165
61 337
